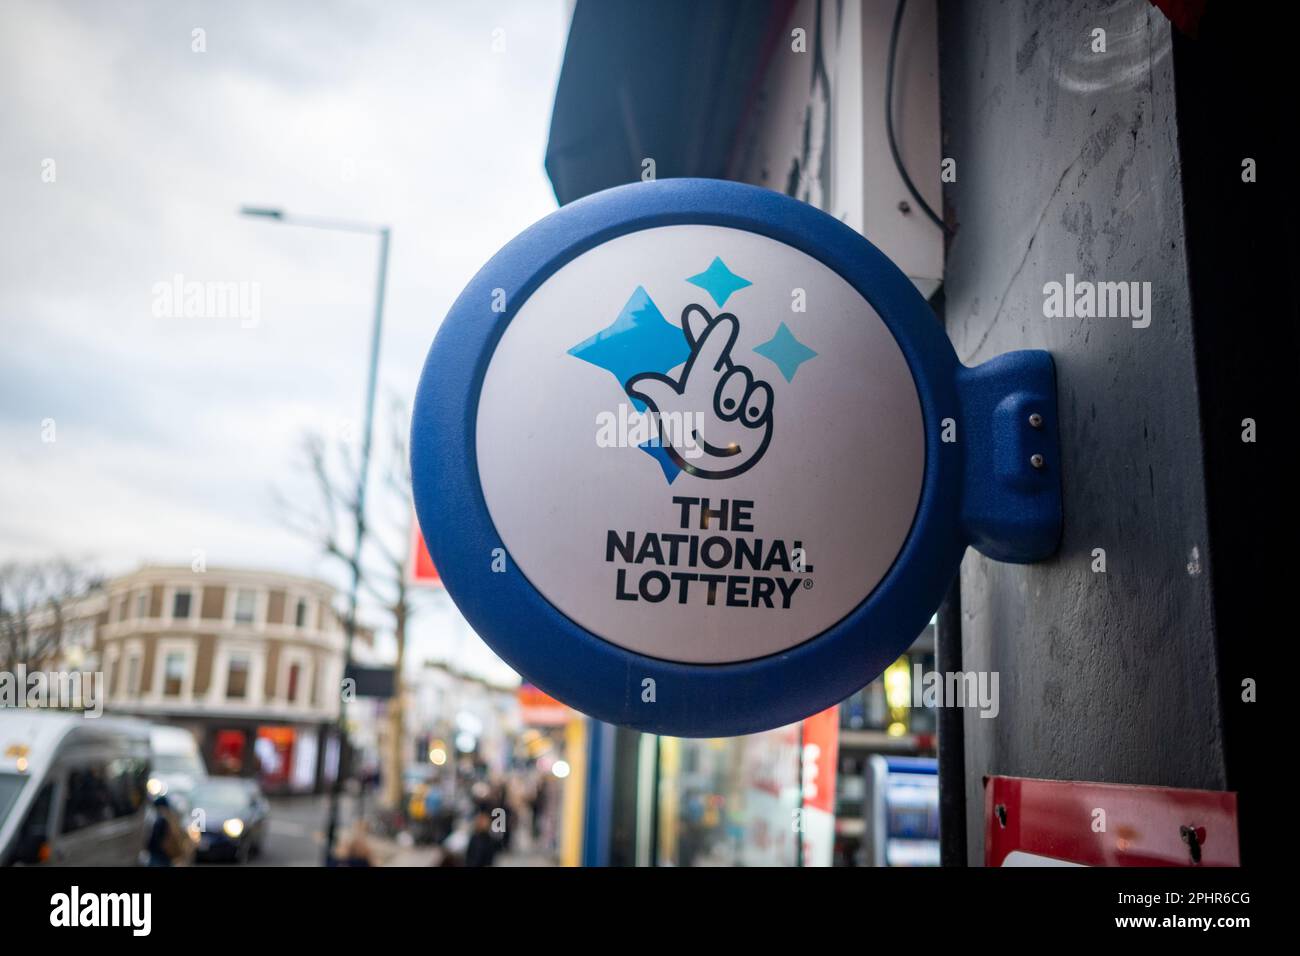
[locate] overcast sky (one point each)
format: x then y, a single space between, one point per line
171 433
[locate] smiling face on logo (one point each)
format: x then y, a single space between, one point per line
715 419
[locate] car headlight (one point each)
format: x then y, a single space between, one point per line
233 828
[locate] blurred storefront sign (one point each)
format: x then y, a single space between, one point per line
274 747
765 805
420 570
1067 822
538 709
821 747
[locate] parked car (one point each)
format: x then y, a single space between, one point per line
232 818
72 789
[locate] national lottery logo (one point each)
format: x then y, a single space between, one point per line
713 418
712 414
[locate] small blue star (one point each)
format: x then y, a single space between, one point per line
719 281
785 351
656 451
639 340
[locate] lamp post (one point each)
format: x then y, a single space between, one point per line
350 624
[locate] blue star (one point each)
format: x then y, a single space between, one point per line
787 352
656 451
639 340
719 281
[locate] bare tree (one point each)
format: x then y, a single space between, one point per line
34 597
382 569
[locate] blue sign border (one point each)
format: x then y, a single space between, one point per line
593 675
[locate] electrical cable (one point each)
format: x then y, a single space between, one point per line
889 121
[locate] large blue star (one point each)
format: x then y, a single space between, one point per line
639 340
719 281
787 352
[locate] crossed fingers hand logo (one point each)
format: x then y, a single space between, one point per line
715 418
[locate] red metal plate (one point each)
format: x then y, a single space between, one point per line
1028 822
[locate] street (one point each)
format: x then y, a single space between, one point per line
297 838
297 832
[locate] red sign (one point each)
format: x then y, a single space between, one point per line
538 709
1062 822
420 569
821 755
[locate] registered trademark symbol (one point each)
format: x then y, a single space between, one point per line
807 583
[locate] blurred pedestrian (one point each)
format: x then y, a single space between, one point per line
483 844
354 848
539 808
163 846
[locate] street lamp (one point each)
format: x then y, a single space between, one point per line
350 624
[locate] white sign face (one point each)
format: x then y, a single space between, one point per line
700 444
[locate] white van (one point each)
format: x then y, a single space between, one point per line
72 789
176 766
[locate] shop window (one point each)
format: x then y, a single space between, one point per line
228 752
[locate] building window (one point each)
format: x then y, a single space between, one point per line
133 675
79 634
142 604
245 607
300 616
121 608
237 676
173 674
181 603
295 674
113 673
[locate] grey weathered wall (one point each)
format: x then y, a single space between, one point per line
1067 161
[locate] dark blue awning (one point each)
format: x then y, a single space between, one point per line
668 80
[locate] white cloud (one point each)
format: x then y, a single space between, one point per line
172 432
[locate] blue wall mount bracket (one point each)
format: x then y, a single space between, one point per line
1011 500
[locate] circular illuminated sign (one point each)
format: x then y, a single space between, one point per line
679 454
